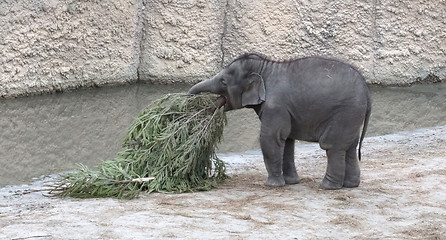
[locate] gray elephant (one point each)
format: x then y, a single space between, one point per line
312 99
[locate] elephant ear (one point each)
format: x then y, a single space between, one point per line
254 92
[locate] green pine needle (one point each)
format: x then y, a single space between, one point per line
170 147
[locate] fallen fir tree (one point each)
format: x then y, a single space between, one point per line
170 147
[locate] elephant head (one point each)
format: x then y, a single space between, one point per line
238 83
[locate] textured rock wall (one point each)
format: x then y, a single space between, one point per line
392 42
289 28
182 40
410 41
50 45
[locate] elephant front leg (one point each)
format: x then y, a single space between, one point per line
334 177
289 168
272 150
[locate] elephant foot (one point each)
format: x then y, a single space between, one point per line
294 179
351 182
328 184
275 181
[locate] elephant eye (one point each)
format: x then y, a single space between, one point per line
223 81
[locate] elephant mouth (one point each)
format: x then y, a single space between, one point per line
224 102
221 102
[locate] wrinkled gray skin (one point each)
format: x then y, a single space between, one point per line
312 99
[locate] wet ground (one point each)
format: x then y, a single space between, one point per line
51 133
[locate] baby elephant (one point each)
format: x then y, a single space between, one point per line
312 99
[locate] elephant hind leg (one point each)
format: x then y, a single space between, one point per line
334 177
342 169
339 140
352 171
288 166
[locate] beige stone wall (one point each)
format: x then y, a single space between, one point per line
181 40
391 42
50 45
410 41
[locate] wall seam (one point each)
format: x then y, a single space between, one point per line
375 39
223 34
140 38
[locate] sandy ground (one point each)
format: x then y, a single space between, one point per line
402 196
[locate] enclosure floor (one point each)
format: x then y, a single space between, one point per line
402 196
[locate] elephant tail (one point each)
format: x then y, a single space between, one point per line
366 123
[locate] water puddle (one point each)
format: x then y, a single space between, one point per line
51 133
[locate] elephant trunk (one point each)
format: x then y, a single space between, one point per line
204 86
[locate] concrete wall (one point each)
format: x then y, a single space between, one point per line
182 40
392 42
50 45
